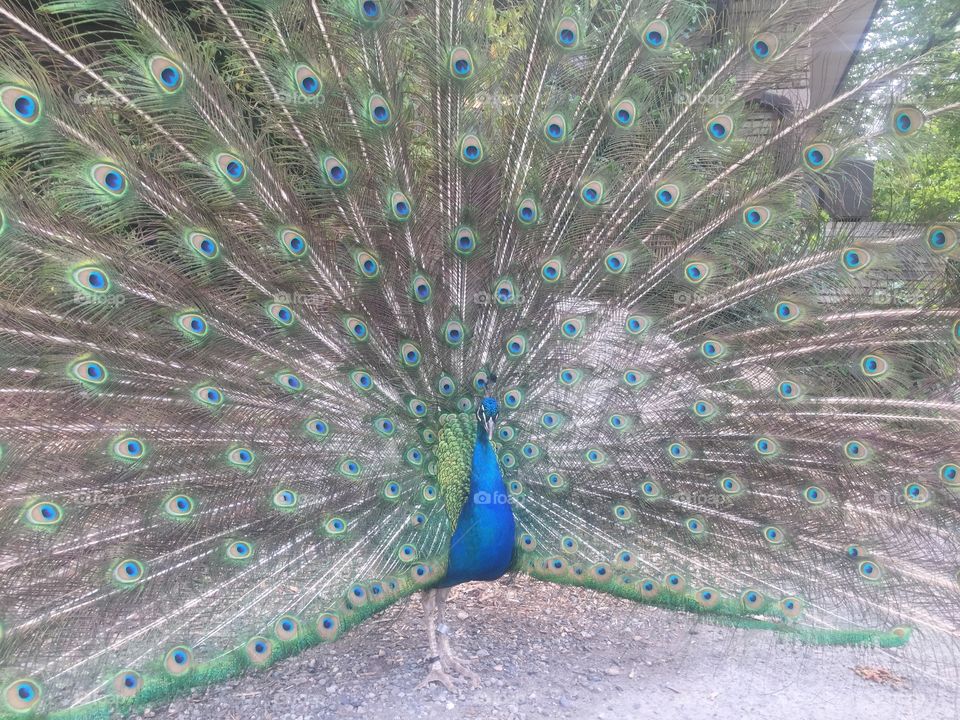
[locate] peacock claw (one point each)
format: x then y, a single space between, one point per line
464 671
437 674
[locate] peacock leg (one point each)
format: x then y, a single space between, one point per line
447 658
428 598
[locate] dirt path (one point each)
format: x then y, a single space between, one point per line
555 652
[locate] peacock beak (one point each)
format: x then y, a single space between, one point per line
488 423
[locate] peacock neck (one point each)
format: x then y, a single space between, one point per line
482 544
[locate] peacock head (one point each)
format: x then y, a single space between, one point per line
487 412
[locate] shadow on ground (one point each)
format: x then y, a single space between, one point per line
548 651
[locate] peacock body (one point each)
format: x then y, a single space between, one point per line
309 305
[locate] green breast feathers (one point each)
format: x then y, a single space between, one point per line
455 456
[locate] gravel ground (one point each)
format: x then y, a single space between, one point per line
546 651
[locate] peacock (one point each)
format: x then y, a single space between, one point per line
307 306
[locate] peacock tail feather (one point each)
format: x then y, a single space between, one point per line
260 261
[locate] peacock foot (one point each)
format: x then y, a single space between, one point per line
437 674
461 668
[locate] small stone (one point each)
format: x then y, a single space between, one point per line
613 670
450 705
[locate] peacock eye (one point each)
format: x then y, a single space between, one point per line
696 272
873 366
720 128
400 206
616 262
335 170
109 178
203 245
752 599
570 376
281 314
335 526
516 345
292 241
416 407
906 120
461 63
379 110
209 395
855 259
179 660
259 650
765 446
856 450
656 35
756 216
571 328
528 212
704 409
568 33
192 324
731 485
454 335
869 570
287 628
128 571
464 241
815 495
308 81
667 195
44 513
788 390
166 73
552 270
410 354
817 156
786 311
471 149
713 349
240 550
21 104
950 474
384 426
89 372
941 238
127 683
916 494
349 467
446 386
420 288
592 193
241 456
361 380
555 128
369 10
764 46
513 398
231 167
179 506
678 451
773 535
289 381
129 448
92 278
624 113
22 695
